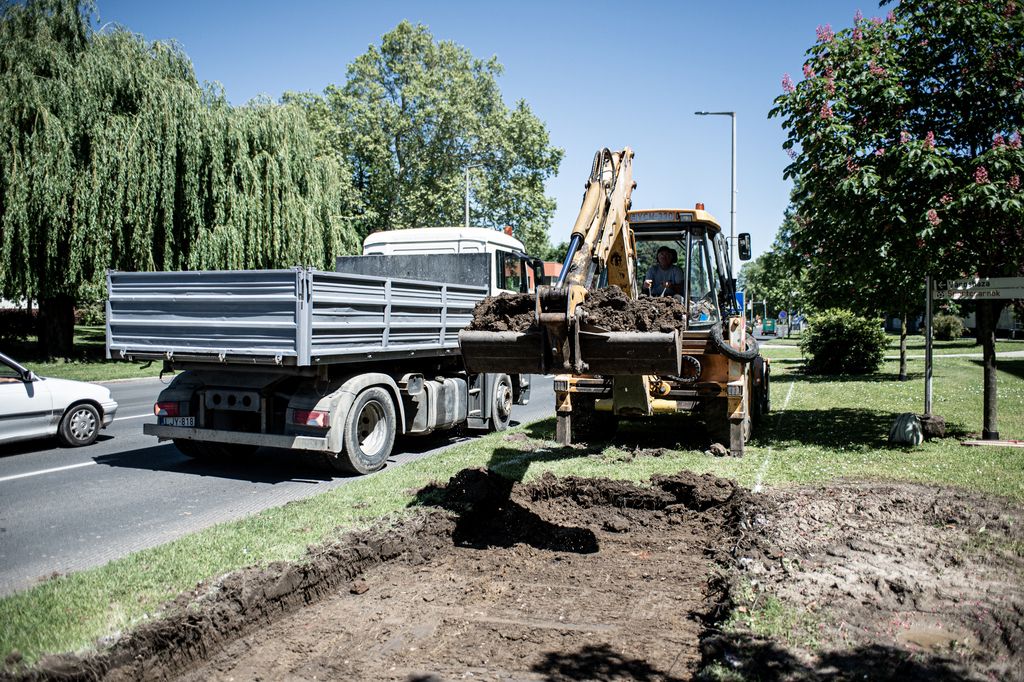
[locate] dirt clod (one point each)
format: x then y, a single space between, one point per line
609 308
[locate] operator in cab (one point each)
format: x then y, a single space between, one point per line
664 278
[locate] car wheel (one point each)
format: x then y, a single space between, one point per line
80 425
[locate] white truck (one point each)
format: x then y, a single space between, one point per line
334 364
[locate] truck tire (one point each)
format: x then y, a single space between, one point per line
501 403
212 452
79 426
370 428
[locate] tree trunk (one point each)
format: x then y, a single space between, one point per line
988 312
903 341
56 326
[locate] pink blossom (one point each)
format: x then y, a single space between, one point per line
1014 182
934 218
792 154
946 199
924 43
904 137
877 21
880 152
851 165
929 140
826 111
876 70
981 176
808 71
1015 140
858 17
857 34
825 33
997 141
890 16
787 84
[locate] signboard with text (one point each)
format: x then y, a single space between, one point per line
978 288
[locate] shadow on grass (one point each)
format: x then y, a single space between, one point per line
1012 366
756 659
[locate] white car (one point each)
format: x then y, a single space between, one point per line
37 407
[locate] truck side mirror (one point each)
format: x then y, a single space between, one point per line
744 245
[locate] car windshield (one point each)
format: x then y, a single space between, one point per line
688 264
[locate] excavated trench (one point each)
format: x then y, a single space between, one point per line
594 579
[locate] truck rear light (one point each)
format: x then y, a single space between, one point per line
311 417
166 409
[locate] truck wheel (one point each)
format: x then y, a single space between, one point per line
80 425
501 403
369 431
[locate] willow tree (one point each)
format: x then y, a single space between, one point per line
113 156
413 115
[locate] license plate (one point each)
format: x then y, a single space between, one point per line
177 421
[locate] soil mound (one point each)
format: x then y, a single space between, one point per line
687 577
608 307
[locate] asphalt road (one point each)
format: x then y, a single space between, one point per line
68 509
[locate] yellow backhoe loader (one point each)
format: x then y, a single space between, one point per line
709 365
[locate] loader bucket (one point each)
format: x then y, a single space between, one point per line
602 352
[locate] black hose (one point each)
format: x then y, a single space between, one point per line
728 351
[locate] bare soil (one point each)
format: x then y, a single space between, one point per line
594 579
608 307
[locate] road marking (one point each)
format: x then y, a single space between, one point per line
45 471
137 416
768 456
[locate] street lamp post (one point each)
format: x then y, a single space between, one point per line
732 215
475 165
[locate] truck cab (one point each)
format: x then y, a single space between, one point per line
510 269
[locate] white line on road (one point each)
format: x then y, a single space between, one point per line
45 471
768 456
135 416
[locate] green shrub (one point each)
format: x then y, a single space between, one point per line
947 327
16 324
839 342
91 314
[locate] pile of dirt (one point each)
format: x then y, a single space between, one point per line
609 308
580 578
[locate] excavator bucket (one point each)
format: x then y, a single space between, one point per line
598 352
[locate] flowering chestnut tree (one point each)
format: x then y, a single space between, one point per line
904 135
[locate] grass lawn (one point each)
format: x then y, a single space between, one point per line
820 429
88 364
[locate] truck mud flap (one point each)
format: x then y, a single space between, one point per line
606 353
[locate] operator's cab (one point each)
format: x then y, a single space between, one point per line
702 254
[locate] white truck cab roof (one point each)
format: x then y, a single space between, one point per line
440 240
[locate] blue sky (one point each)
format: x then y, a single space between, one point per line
599 74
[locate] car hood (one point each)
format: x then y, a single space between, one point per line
75 390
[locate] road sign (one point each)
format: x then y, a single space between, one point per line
782 314
739 300
978 288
